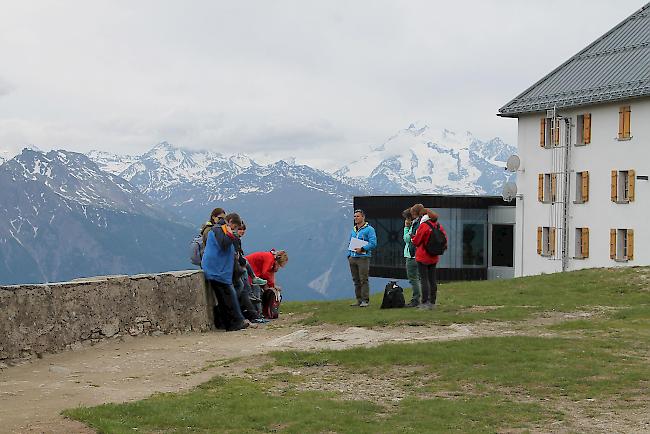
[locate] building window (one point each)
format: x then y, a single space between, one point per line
547 187
583 129
622 186
582 187
624 123
621 244
582 243
545 241
549 132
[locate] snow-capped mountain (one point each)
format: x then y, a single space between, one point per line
63 217
111 163
4 156
420 160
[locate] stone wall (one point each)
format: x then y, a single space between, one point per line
37 319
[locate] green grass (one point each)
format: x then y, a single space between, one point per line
483 384
511 300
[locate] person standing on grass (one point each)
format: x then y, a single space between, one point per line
426 261
409 257
359 258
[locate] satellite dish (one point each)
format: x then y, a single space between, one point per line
509 191
513 163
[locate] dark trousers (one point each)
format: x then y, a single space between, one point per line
428 284
243 293
227 307
360 268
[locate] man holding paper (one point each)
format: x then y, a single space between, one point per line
362 241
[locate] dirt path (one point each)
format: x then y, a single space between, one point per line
33 394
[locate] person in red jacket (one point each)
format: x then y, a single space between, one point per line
266 264
427 262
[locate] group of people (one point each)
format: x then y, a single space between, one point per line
419 225
244 285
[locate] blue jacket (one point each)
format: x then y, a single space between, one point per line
366 233
219 256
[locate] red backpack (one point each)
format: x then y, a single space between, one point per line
271 299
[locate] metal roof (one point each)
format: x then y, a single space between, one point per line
614 67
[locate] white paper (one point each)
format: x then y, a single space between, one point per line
356 243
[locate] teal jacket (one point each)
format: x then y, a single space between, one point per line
409 248
366 233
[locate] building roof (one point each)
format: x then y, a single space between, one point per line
614 67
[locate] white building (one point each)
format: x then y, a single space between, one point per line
584 143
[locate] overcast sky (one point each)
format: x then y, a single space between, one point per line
319 80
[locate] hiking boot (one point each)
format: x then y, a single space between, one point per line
364 304
426 306
413 303
259 281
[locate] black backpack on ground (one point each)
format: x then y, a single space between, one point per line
393 296
437 243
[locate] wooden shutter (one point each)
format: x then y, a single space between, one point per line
631 176
586 129
540 187
584 242
553 187
542 132
630 244
551 241
539 240
585 186
614 189
612 243
556 131
624 122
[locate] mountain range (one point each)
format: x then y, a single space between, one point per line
69 215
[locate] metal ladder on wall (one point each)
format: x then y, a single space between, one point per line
560 169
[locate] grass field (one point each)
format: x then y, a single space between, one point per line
590 374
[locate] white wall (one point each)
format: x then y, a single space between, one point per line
604 154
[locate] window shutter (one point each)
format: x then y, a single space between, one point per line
542 132
614 190
556 131
585 242
631 176
626 121
539 240
553 187
630 244
585 186
551 236
540 187
612 243
586 129
621 122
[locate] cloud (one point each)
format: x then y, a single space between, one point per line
318 80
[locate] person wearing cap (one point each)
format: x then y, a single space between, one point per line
359 258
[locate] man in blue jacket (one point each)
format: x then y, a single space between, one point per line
218 264
359 258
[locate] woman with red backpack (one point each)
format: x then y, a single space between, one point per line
265 265
430 242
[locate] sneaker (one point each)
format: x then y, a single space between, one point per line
364 304
356 303
425 306
261 320
244 324
259 281
413 303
